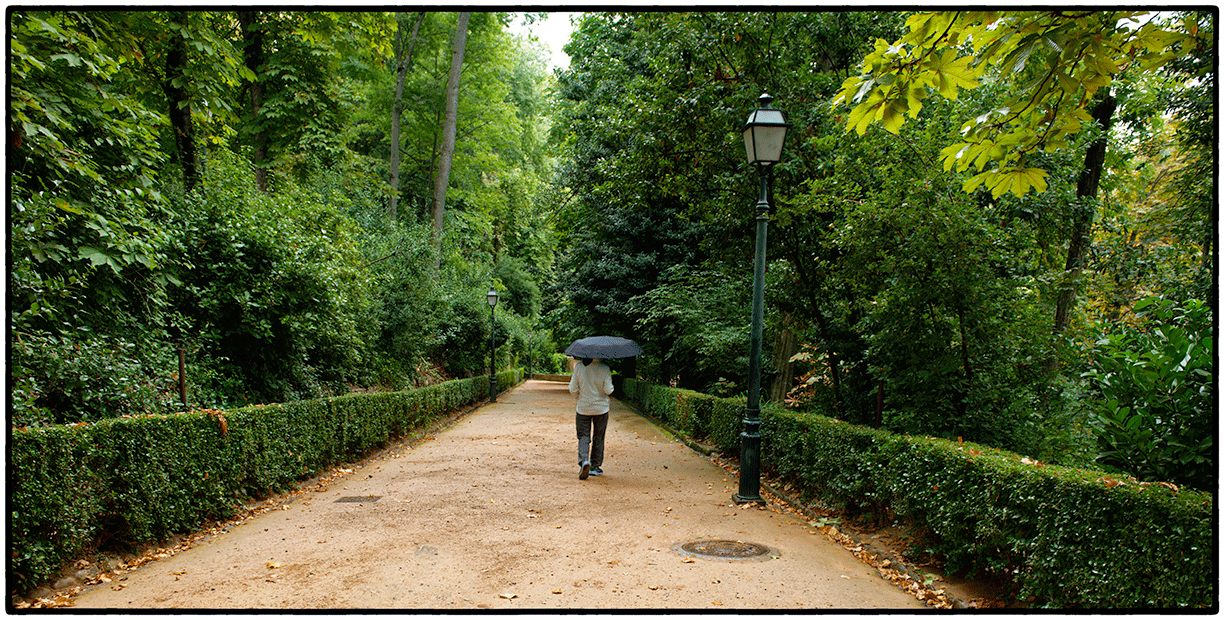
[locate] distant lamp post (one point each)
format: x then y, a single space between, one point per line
764 134
492 299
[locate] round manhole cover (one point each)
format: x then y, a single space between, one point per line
726 550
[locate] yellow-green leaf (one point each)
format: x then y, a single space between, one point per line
913 101
1036 178
893 116
971 184
952 154
953 74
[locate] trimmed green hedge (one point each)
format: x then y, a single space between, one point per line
1063 537
137 480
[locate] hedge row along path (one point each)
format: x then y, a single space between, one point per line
490 514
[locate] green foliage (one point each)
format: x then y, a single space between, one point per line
949 326
521 294
1062 537
273 284
74 131
59 379
558 364
699 415
54 500
69 361
945 52
404 320
1155 411
694 327
139 479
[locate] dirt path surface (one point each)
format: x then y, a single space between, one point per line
490 514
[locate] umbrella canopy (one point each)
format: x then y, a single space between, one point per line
603 347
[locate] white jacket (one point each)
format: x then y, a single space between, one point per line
592 384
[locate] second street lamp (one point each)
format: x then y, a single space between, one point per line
764 134
491 297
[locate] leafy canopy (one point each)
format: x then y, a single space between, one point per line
1056 62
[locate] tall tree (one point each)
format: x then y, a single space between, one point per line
403 60
253 56
174 83
1081 226
442 178
1057 68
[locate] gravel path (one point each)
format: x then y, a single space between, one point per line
490 514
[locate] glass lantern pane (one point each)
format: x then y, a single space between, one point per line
769 141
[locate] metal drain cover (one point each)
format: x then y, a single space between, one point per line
726 550
357 499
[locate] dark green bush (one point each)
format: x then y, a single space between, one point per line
1063 537
55 495
1155 410
134 480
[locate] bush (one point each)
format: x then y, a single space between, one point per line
133 480
557 364
76 377
1155 415
271 283
699 415
1064 537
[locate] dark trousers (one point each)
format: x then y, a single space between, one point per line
591 429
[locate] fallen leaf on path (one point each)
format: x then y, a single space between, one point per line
508 596
654 587
557 591
688 560
274 565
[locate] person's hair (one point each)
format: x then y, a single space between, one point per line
586 361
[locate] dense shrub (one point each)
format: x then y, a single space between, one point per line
1155 411
272 284
133 480
55 498
1064 537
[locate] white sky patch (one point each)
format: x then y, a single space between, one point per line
553 32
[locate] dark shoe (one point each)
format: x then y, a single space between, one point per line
585 471
595 471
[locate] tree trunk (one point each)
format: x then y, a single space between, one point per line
826 334
175 87
253 57
1081 231
785 347
448 134
402 61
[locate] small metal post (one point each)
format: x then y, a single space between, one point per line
879 419
182 376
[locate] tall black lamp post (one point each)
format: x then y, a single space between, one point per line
764 134
492 299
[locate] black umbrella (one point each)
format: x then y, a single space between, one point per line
603 347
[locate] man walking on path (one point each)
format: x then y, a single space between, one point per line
592 382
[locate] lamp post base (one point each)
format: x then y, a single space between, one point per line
740 499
